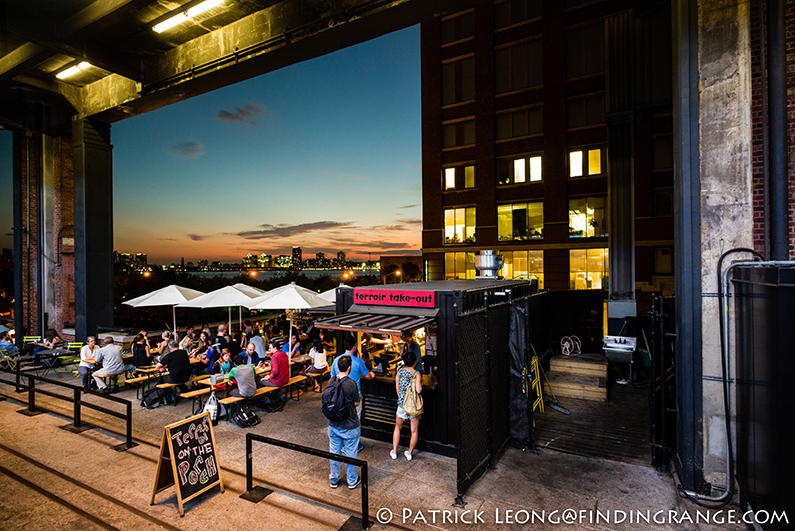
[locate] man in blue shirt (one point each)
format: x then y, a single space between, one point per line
358 369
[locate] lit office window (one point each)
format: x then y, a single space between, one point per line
589 162
520 221
459 225
523 264
459 177
516 170
459 266
587 217
588 268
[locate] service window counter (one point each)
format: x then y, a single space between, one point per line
461 329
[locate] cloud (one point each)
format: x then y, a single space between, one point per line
167 239
187 150
375 244
283 231
244 115
409 206
411 221
197 237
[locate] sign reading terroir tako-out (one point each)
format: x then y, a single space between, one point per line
395 297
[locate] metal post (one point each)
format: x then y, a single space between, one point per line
365 499
77 407
249 465
129 425
487 355
31 395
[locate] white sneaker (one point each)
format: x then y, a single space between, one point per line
393 454
407 455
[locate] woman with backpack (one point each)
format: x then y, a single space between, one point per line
404 378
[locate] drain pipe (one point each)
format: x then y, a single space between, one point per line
777 88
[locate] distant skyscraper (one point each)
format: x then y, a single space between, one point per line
297 257
340 259
140 260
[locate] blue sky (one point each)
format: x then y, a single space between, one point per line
325 154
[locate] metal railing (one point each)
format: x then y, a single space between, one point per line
250 437
76 399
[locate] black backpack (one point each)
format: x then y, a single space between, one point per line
245 418
156 397
335 408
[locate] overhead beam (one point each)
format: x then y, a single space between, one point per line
92 17
23 57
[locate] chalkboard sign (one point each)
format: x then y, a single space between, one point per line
188 453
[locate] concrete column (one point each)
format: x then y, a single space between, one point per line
726 190
50 224
620 181
93 173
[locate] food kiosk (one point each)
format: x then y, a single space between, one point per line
463 329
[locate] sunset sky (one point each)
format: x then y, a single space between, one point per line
324 155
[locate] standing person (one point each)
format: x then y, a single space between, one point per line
358 371
110 356
343 435
319 362
402 382
219 341
207 354
177 363
258 342
140 350
87 356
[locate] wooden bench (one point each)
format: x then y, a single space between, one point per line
320 377
196 396
111 380
172 386
233 402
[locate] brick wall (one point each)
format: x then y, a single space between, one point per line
757 131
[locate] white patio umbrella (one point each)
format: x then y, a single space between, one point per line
169 296
226 296
288 297
331 295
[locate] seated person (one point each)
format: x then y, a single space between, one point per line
245 377
259 343
6 345
294 348
87 360
224 364
178 364
140 350
319 361
250 355
51 340
280 367
110 356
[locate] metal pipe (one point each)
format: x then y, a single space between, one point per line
765 138
777 94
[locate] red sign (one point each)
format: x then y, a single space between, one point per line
395 297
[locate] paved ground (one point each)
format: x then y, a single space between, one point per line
54 479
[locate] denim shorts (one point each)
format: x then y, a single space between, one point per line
402 413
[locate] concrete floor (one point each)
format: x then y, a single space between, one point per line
55 479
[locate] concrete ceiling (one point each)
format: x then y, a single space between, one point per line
135 69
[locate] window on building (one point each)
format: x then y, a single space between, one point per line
519 123
585 50
513 12
518 67
459 225
662 149
585 111
587 217
587 162
518 170
523 264
588 268
458 81
459 177
457 134
663 260
662 203
520 221
458 27
459 266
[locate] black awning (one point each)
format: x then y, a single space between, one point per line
375 323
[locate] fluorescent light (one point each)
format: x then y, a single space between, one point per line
69 72
179 18
204 6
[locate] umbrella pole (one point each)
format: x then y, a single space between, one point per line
230 319
289 346
240 318
174 315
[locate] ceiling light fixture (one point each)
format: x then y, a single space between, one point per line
184 16
69 72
